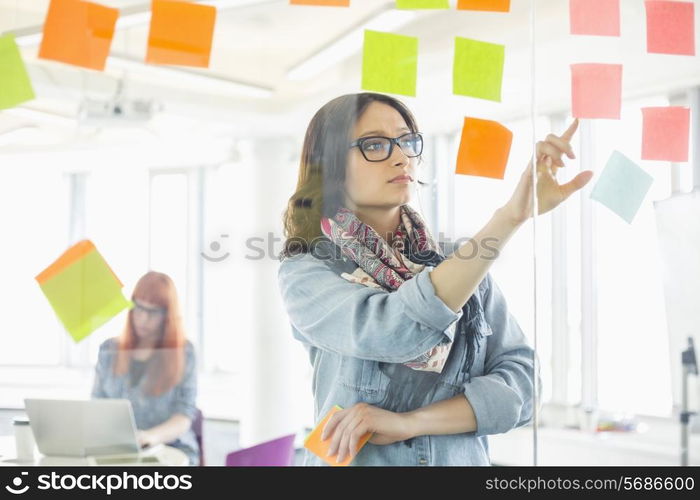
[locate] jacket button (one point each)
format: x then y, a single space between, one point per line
422 461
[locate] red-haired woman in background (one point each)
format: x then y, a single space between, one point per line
153 365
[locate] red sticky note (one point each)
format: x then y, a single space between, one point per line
670 27
665 133
483 148
488 5
180 33
596 90
323 3
594 17
78 33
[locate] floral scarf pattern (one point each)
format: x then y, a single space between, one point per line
383 265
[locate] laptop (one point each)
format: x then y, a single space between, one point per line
87 428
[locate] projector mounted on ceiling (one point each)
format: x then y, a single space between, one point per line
117 111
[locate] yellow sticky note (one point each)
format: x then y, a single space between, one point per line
82 290
389 63
15 87
422 4
478 69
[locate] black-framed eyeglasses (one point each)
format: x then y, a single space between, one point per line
149 311
379 148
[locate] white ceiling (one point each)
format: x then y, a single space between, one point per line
259 44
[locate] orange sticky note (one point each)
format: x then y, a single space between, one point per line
181 33
322 3
671 27
78 33
490 5
483 148
314 444
594 17
665 133
596 90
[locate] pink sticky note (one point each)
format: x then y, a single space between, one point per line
594 17
596 90
671 27
665 133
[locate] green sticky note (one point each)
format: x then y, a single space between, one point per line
622 186
422 4
389 63
478 69
15 87
85 295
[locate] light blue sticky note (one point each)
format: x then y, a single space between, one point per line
622 186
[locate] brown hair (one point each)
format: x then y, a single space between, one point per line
166 372
321 184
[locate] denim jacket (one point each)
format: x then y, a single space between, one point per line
347 329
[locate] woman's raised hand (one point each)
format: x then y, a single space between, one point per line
549 192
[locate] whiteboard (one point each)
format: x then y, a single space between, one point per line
678 228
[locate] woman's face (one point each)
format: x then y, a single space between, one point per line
147 319
368 184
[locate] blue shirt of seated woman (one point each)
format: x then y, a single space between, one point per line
153 365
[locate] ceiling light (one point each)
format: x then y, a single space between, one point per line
189 77
349 44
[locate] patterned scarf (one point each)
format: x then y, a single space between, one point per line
380 266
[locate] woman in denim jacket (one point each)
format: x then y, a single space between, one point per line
413 340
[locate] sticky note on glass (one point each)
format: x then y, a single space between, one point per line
82 290
322 3
478 69
665 133
389 63
488 5
314 444
596 90
671 27
622 186
15 87
422 4
594 17
181 33
78 33
483 148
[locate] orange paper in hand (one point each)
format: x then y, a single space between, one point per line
314 444
483 148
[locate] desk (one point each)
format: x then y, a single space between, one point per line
168 455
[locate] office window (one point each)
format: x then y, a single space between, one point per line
633 354
117 221
34 201
229 224
168 228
